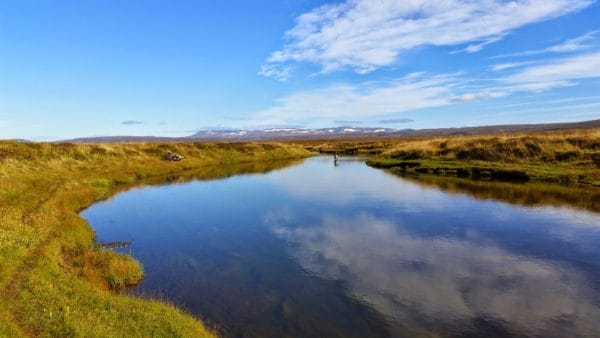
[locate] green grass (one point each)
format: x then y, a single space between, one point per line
53 280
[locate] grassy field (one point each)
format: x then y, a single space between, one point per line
54 280
571 157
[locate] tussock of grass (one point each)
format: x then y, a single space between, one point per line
53 280
114 270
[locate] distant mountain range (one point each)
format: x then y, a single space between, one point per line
343 133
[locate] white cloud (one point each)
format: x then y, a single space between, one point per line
509 65
131 122
364 34
474 48
551 102
362 100
555 74
576 44
572 45
467 97
418 90
571 110
279 73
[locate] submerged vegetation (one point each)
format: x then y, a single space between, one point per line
54 280
560 157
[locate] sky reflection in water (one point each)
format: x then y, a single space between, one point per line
318 250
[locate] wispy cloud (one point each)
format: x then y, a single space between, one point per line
486 94
476 47
554 74
552 102
573 45
396 120
131 122
539 76
364 35
509 65
579 43
559 112
279 73
566 108
347 122
360 100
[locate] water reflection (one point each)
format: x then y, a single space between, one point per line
528 194
211 171
444 284
350 181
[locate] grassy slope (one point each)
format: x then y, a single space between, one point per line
53 280
566 156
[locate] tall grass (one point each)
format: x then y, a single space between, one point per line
572 146
53 280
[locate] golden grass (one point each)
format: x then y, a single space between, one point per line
580 145
53 280
113 273
565 156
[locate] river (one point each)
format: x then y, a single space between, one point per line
317 250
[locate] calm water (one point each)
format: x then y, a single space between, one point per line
351 251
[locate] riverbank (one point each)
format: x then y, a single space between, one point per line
567 157
54 280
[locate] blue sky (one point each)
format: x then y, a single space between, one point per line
99 67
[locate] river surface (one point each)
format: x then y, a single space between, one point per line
317 250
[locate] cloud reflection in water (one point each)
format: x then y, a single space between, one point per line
443 283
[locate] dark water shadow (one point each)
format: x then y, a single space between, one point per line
525 194
215 172
207 173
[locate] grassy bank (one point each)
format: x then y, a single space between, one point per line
559 157
54 281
